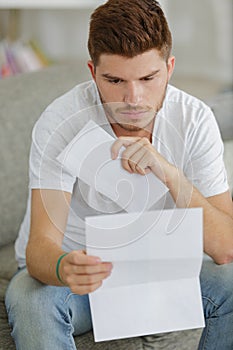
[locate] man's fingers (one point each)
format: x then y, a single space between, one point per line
86 280
122 141
90 269
80 258
132 157
134 161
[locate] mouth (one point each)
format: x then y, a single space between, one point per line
133 114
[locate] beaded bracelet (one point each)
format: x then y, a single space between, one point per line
58 265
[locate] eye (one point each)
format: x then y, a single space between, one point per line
148 78
114 81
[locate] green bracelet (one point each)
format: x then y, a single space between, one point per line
58 265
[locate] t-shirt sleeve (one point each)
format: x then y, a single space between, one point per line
205 167
48 141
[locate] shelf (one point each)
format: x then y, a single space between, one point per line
49 4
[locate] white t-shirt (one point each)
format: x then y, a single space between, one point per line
185 133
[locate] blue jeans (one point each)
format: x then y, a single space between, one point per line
217 297
47 317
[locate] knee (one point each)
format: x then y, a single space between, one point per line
33 306
27 296
217 286
226 278
217 276
21 291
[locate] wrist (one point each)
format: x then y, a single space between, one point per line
173 177
167 173
58 265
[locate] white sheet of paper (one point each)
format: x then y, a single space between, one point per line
154 285
88 157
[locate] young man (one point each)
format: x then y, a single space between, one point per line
164 131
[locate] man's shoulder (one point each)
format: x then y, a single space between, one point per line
181 108
80 96
66 114
181 98
73 102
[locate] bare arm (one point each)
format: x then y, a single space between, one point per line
218 216
141 157
49 213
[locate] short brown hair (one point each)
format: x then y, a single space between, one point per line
128 28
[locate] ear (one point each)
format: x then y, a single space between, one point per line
170 66
92 69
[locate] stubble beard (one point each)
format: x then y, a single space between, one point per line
131 127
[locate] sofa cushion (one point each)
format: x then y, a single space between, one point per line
6 341
222 106
8 267
228 159
182 340
23 98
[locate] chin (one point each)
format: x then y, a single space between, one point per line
129 127
136 126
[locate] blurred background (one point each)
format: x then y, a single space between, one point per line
203 44
202 34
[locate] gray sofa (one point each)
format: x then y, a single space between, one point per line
22 99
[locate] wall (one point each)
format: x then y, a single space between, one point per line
62 33
202 35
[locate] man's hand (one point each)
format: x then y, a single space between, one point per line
83 273
141 157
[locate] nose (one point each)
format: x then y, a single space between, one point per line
133 93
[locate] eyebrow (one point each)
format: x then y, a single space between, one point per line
109 76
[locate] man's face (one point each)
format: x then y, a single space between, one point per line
132 89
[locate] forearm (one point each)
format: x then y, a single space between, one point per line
218 226
48 224
42 255
141 157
